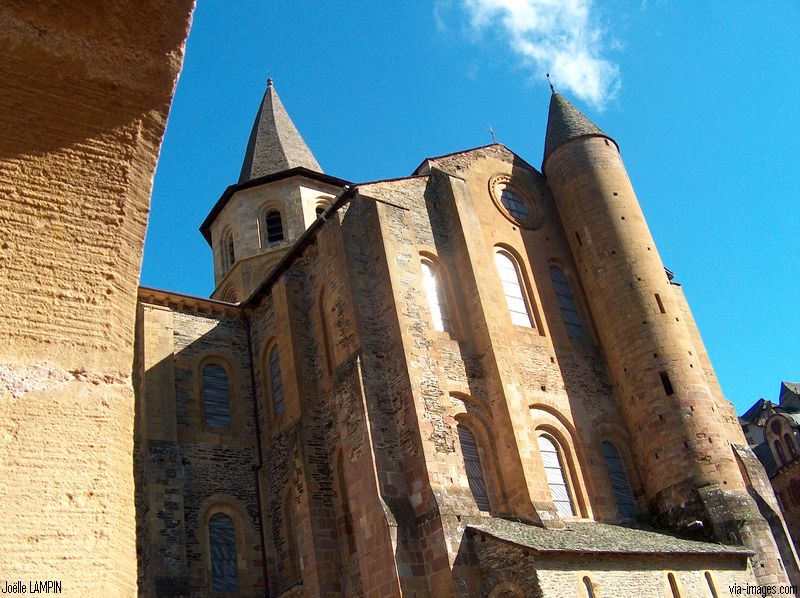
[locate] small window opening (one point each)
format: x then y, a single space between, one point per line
578 236
666 383
779 449
788 440
319 211
660 304
274 227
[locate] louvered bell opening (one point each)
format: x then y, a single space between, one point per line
222 540
472 463
216 397
274 227
626 505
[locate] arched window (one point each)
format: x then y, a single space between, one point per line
436 297
345 525
472 464
566 302
588 588
216 397
554 470
711 587
779 449
222 544
512 288
274 226
673 586
626 506
227 253
276 382
787 438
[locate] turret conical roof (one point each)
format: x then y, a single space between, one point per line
565 122
275 144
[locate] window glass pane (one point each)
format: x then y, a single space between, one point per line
555 477
276 383
566 302
626 506
515 206
274 227
216 397
436 302
222 542
517 308
472 463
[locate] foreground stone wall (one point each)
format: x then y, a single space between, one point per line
86 90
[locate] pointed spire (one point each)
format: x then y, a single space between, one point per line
565 122
275 144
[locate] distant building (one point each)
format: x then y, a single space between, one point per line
773 432
477 380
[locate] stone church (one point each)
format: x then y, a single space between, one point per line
475 380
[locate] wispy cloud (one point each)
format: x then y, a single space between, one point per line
560 37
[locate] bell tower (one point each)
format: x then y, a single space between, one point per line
280 192
681 439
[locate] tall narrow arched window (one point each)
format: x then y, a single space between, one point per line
227 253
787 438
472 464
216 397
513 289
222 544
587 587
554 470
779 449
434 291
274 226
326 337
623 495
566 303
276 382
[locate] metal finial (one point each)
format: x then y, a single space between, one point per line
491 132
269 82
550 83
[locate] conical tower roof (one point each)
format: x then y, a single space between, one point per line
565 122
275 144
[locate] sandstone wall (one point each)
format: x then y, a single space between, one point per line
86 90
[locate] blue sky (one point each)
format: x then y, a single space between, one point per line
700 96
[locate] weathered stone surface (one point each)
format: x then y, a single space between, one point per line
86 90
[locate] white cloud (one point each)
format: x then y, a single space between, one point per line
560 37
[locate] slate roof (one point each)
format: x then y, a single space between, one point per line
790 396
275 144
565 122
598 538
764 454
754 413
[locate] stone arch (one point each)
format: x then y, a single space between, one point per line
525 279
550 421
223 360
